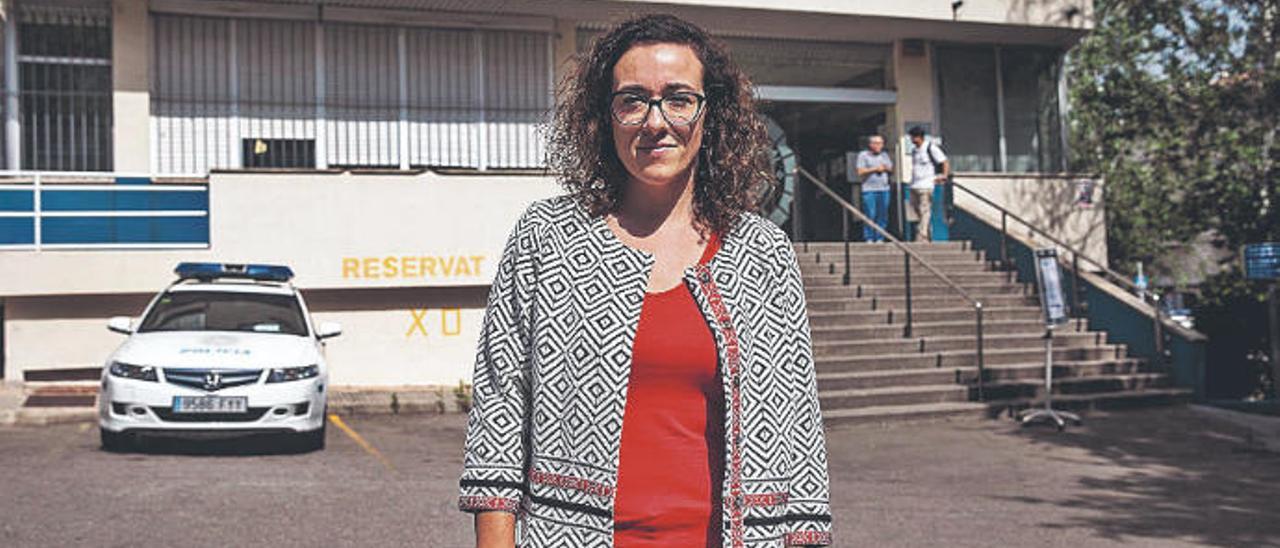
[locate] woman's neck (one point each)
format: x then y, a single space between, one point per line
645 208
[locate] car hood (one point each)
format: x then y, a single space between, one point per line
223 350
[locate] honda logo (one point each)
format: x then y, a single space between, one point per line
212 381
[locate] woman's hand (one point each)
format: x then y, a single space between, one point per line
495 530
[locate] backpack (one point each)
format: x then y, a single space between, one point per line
937 166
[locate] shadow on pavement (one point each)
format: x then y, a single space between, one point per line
1170 475
240 446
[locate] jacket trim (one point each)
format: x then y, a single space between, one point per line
808 538
569 482
481 504
779 520
766 499
736 501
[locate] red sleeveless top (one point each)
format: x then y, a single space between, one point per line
672 456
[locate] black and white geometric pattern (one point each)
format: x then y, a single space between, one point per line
554 359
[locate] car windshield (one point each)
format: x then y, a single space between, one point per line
225 311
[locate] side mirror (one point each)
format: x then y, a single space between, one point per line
121 324
328 330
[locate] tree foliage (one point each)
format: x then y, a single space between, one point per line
1176 103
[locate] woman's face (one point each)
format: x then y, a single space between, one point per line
657 152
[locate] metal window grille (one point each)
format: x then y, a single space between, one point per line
444 98
234 93
362 91
64 91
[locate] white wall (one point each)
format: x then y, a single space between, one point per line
416 329
411 345
315 223
1048 202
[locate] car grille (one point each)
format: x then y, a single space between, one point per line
222 378
166 414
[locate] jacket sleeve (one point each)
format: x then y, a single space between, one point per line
493 475
808 514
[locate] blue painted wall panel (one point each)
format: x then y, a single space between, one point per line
17 200
125 230
107 200
14 230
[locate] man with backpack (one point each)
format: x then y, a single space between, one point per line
929 166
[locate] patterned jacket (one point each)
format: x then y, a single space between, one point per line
554 359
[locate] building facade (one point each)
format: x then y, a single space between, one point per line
383 148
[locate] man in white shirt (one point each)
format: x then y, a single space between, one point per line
926 160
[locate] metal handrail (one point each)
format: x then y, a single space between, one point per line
1076 256
907 256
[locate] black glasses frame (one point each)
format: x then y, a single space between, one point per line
651 102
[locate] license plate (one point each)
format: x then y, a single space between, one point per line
210 404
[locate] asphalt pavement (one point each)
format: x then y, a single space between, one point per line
1162 477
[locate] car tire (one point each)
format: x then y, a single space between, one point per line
115 442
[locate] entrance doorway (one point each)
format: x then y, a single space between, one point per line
820 134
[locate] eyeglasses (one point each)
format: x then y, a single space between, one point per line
678 109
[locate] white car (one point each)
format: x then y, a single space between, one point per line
224 350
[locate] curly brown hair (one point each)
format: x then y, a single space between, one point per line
734 166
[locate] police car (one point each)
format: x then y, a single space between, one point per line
225 349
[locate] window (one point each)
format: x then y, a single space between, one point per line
65 96
225 311
369 96
967 96
975 82
1031 124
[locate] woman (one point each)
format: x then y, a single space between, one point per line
644 374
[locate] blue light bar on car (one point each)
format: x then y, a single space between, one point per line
210 271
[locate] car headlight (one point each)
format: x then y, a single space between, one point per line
286 374
130 371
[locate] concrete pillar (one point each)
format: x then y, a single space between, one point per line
131 82
912 74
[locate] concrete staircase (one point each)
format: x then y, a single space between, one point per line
868 371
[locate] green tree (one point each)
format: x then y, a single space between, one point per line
1176 103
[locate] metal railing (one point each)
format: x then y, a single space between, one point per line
101 210
907 256
1077 310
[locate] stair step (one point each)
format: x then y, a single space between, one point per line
956 245
964 358
977 290
931 329
934 344
1061 370
863 380
1087 402
1034 388
1005 379
843 302
920 278
835 266
65 374
905 413
893 395
886 254
61 400
881 317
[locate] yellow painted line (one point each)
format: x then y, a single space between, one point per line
356 437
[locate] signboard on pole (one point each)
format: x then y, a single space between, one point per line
1052 303
1262 261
